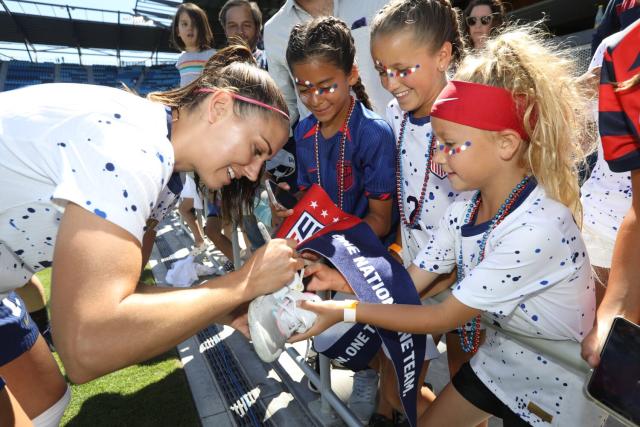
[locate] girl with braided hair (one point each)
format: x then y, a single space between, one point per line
343 145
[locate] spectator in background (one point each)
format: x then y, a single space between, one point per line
618 15
243 18
191 33
619 109
481 18
357 15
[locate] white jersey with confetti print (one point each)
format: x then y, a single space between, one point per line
534 280
101 148
439 194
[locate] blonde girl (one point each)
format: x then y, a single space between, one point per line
507 127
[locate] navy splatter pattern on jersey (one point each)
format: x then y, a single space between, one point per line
100 148
535 280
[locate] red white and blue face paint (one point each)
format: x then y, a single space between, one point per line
393 72
318 90
451 151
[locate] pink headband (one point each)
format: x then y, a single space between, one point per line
245 99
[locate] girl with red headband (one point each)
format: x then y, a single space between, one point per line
507 128
413 44
81 169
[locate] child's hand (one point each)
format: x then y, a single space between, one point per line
326 278
329 313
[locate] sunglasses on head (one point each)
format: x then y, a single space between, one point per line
484 20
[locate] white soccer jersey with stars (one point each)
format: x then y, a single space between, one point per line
439 194
534 280
101 148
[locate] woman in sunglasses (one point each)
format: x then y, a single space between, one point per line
481 17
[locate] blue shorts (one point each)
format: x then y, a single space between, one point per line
18 332
213 210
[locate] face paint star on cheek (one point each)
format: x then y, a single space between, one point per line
451 151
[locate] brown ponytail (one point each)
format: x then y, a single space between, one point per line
432 22
231 69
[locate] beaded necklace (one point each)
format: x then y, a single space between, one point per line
399 173
343 141
470 344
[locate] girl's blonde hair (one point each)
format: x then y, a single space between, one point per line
556 112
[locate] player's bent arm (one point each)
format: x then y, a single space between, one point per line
100 324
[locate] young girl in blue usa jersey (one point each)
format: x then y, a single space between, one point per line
342 145
507 128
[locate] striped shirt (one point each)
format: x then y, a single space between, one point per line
190 65
619 111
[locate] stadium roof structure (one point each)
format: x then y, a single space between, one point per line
80 27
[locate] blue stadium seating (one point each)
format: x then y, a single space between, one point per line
23 73
105 75
129 75
73 73
157 77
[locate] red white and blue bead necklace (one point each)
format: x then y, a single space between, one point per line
470 344
399 173
343 140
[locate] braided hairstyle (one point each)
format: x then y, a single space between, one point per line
232 69
328 39
432 22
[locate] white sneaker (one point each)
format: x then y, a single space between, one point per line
274 318
362 401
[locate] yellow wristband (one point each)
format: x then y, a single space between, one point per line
396 248
349 313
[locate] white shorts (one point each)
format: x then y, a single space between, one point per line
189 191
599 247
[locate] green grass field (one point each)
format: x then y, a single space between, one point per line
153 393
